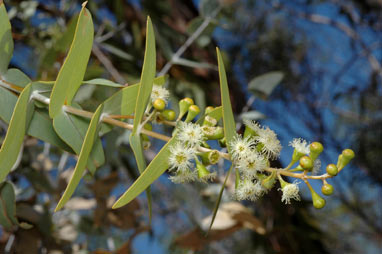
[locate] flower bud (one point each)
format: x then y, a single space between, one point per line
159 104
346 156
213 133
209 121
327 189
202 170
205 144
268 182
318 201
249 132
168 114
211 157
332 170
208 110
315 149
223 142
193 111
184 104
306 163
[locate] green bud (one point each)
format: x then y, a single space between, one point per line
209 121
249 132
168 114
306 163
318 201
327 189
193 111
346 156
268 182
159 104
296 155
208 110
184 104
205 144
202 170
332 170
223 142
259 147
261 176
315 149
282 182
211 157
213 133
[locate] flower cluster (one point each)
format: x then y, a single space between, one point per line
250 155
184 152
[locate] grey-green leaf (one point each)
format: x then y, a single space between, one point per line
228 119
263 85
102 82
154 170
72 129
15 135
72 72
147 76
7 206
6 40
41 126
90 138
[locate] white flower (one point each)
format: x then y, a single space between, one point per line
190 134
184 176
290 191
316 167
271 146
256 127
181 157
159 92
300 145
248 190
252 164
241 148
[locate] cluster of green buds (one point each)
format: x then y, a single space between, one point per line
192 158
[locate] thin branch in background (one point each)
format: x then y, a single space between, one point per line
188 42
108 64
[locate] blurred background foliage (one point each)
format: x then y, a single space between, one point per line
329 53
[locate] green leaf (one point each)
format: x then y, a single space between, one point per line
263 85
72 129
228 122
136 146
147 76
15 77
122 102
154 170
72 72
6 40
7 206
15 135
90 138
219 198
102 82
228 119
41 126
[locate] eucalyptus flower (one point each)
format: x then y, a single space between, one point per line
181 157
241 148
190 134
290 191
269 144
159 92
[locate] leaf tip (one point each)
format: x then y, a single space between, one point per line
83 4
